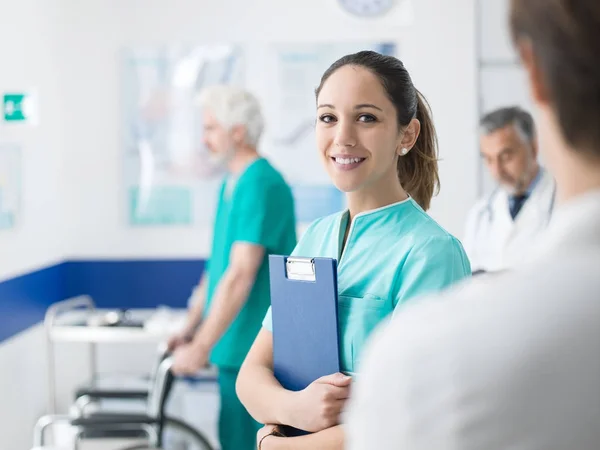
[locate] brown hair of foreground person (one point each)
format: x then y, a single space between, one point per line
564 37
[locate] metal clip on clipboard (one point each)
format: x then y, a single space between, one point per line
302 269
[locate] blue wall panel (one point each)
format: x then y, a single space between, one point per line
133 284
24 299
112 284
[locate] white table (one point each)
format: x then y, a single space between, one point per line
63 324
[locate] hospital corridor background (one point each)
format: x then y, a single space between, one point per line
106 203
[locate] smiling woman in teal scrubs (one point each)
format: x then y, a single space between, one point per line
378 144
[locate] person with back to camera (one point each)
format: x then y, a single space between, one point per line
378 144
511 361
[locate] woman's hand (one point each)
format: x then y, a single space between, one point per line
319 406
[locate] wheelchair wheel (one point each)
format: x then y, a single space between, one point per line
177 435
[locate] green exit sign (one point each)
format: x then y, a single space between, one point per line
17 107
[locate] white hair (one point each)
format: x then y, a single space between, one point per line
513 115
233 106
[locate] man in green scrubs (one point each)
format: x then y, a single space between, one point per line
254 218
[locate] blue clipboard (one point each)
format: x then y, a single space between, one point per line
304 306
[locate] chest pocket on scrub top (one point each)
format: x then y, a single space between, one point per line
358 317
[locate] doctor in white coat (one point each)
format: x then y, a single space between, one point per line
502 226
510 360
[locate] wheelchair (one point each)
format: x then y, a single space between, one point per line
151 426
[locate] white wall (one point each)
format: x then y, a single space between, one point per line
440 53
24 384
29 48
438 49
22 388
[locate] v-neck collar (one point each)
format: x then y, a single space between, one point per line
345 219
371 212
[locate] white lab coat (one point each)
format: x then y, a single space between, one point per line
493 241
503 361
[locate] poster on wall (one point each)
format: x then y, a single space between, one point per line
10 184
163 131
295 71
163 127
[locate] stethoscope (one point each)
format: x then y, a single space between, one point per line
488 210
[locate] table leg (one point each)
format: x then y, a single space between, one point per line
93 363
51 376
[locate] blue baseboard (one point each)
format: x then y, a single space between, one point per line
112 284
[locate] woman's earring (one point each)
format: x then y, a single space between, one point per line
404 151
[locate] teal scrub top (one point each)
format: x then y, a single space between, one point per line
258 209
392 255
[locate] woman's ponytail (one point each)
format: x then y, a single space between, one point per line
418 169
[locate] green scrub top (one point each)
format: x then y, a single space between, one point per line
392 255
258 209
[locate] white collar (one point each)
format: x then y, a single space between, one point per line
382 208
575 223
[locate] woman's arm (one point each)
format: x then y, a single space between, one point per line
313 409
258 390
329 439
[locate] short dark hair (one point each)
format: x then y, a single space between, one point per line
565 39
418 170
503 117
